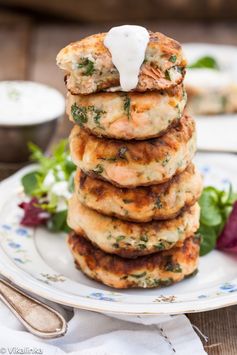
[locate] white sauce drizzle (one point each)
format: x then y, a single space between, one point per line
127 45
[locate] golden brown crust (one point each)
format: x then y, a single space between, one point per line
162 268
95 44
140 152
140 204
129 239
163 67
130 164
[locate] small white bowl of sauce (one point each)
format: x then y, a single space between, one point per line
29 112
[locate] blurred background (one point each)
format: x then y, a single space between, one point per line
33 31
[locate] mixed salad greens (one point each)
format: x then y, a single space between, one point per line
218 219
49 186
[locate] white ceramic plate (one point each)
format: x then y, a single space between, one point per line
216 132
40 262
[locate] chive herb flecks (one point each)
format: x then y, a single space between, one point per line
224 101
179 111
81 114
141 246
115 245
126 201
173 267
121 154
122 151
97 115
160 246
144 238
166 161
166 282
119 238
14 94
167 75
138 276
98 169
127 104
173 58
113 159
87 65
158 203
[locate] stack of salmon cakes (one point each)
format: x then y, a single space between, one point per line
134 210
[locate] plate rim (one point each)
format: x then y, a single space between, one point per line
114 307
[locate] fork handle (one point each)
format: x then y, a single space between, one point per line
38 318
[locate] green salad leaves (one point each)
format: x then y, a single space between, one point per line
49 186
216 206
204 62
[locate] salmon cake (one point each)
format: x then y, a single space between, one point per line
141 204
135 163
129 239
156 270
89 68
130 115
212 101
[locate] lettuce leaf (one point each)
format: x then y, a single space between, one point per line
48 187
216 206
